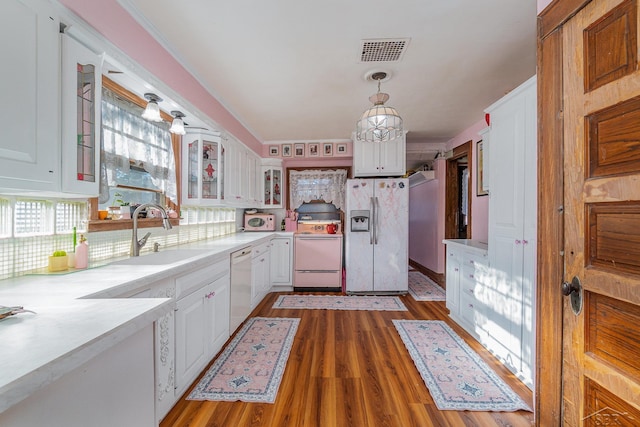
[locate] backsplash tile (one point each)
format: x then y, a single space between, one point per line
26 255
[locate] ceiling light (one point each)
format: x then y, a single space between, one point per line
177 125
152 112
379 122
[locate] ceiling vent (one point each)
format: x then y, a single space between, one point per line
382 50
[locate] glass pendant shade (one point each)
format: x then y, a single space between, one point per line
152 112
177 126
379 123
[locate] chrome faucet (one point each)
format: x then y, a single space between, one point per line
136 244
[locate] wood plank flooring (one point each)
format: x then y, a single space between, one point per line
350 368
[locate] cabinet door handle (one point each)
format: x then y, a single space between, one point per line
471 262
455 269
518 242
210 295
525 242
470 305
471 276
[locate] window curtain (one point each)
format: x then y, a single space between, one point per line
327 185
129 140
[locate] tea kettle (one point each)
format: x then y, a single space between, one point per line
332 228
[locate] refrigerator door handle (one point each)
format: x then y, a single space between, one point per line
372 223
377 210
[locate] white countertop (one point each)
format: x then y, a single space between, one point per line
475 245
75 320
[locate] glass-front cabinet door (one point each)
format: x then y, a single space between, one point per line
203 168
81 97
272 186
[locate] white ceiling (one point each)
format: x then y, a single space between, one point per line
290 70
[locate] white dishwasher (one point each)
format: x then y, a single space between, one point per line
240 287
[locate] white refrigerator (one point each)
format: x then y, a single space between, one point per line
377 235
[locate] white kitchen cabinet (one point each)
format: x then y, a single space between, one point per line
200 330
512 229
272 184
164 350
466 278
81 117
242 176
203 165
29 147
260 272
281 267
379 158
453 261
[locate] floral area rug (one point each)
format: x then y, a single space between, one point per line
250 368
331 302
422 288
457 378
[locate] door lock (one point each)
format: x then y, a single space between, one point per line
573 290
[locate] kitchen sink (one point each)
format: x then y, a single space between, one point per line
159 258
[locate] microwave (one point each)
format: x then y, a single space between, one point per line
259 222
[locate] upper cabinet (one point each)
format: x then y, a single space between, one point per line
203 165
379 158
81 95
29 148
271 184
242 176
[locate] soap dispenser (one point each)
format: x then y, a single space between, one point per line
82 253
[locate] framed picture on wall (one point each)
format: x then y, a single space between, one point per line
286 150
341 148
274 150
312 149
327 149
480 171
298 150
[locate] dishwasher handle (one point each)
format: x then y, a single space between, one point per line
240 256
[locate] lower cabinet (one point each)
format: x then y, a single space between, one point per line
202 321
466 273
281 268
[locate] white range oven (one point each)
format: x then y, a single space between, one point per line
318 248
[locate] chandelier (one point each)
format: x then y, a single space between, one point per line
379 122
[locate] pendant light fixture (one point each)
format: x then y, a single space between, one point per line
177 125
152 112
379 122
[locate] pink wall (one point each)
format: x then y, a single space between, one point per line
479 205
426 209
542 4
426 230
117 26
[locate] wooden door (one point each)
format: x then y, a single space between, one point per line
601 343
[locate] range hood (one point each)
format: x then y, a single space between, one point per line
421 177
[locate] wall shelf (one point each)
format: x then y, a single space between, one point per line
421 177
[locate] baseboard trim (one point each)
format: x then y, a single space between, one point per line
436 277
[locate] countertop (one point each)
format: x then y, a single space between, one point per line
78 315
475 245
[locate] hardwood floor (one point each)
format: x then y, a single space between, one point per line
350 368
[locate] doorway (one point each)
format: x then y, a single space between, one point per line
458 193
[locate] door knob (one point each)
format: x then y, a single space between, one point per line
573 290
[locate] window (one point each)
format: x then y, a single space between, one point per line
139 159
314 184
137 155
36 217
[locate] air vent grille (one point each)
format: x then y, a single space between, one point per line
382 50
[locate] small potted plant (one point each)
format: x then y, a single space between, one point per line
58 261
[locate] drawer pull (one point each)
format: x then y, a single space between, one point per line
471 276
455 269
470 305
210 295
471 262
